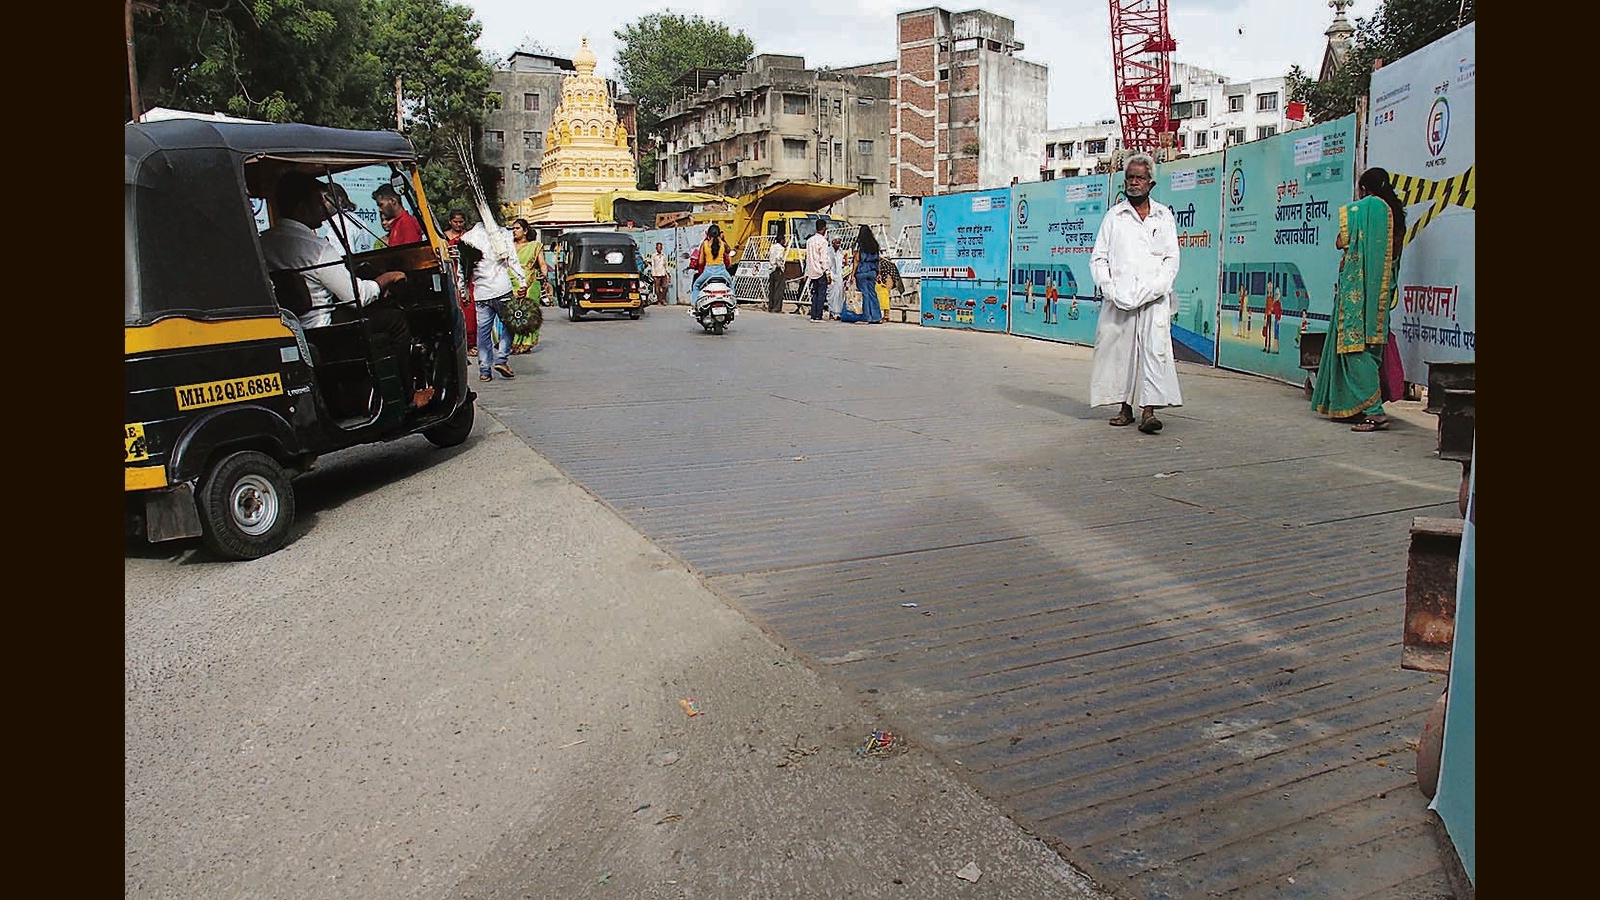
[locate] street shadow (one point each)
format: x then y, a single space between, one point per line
1060 404
336 480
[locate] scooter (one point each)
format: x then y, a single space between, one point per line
715 308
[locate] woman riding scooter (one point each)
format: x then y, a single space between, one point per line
714 259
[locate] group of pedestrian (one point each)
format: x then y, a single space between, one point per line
825 276
1135 263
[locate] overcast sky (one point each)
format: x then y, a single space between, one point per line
1240 39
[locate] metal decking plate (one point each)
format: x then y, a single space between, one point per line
1175 657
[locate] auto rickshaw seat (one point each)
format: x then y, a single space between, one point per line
290 289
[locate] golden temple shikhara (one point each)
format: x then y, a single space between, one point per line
586 150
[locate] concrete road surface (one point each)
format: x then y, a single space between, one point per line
463 678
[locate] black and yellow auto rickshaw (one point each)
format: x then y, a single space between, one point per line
598 271
228 393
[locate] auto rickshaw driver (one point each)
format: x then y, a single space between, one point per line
292 245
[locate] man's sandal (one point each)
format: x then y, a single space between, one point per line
1150 424
1123 417
1366 425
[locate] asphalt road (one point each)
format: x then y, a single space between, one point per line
464 677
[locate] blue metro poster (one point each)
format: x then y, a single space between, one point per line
1053 226
966 244
1192 187
1280 217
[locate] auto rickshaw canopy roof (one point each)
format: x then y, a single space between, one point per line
189 228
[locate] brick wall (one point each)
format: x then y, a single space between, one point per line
916 28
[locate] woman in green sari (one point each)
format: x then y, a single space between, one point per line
524 305
1371 232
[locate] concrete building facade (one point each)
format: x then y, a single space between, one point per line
778 121
1212 112
968 113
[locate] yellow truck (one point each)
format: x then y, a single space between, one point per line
789 210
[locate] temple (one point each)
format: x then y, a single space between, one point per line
586 150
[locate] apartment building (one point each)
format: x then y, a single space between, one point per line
968 112
1212 112
739 131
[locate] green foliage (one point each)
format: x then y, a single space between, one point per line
431 46
278 60
324 62
656 50
1400 27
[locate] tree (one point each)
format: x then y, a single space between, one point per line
277 60
1399 28
431 47
656 50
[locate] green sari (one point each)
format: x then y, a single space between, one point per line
1347 378
527 251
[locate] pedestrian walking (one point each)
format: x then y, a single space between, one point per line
819 262
1371 234
775 255
1135 262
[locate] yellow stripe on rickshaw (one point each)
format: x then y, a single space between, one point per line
178 333
143 478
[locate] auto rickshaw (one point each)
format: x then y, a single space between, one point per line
228 394
598 271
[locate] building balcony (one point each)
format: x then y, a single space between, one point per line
700 179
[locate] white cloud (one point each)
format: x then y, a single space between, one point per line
1074 42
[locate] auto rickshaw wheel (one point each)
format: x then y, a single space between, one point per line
573 313
246 505
633 314
454 430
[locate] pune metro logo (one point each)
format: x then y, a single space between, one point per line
1022 211
932 227
1438 126
1236 186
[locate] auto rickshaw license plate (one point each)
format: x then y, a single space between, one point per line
137 448
232 390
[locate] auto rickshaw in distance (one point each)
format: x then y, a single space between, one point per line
228 394
598 271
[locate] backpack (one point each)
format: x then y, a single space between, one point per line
695 261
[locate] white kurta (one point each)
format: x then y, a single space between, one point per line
1135 262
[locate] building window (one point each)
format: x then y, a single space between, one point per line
759 108
1066 151
1267 102
533 177
495 137
864 148
794 148
838 149
533 139
863 101
1266 131
1183 141
794 104
944 74
1095 148
1199 108
530 102
1049 175
838 106
1235 136
1236 103
866 187
1200 140
1050 151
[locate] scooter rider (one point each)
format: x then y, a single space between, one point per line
715 254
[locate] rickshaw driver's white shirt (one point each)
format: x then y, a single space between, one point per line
291 245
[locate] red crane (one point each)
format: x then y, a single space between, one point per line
1141 53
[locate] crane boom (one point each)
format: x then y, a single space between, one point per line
1141 54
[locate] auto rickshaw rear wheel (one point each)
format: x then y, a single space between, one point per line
246 506
454 430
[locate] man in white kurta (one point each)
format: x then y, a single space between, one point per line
1135 262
